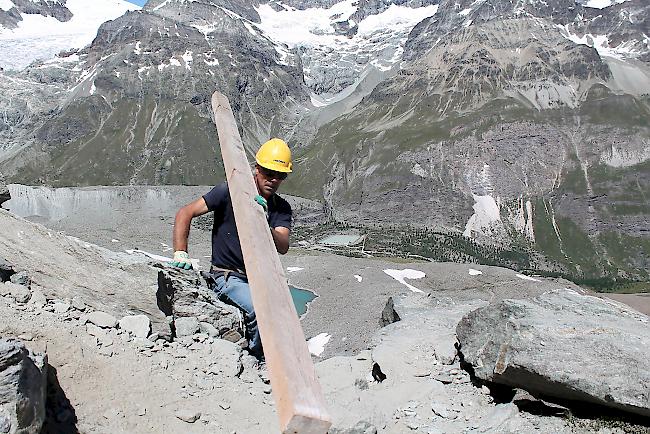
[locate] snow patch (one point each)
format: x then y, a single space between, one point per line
314 29
486 213
419 171
407 273
524 277
41 38
5 5
359 278
601 44
317 344
600 4
187 58
293 269
473 272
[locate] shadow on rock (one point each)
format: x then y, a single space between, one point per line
60 416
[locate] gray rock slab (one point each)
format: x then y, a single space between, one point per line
21 278
186 326
563 345
38 299
187 415
102 319
137 325
226 358
19 293
183 294
23 377
61 307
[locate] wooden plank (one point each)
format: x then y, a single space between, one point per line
297 393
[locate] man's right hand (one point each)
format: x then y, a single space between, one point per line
181 260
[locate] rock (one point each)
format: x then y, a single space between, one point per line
21 278
93 330
544 345
5 195
138 325
442 411
209 329
361 427
104 351
389 315
183 294
38 299
227 358
499 416
6 270
102 319
19 293
78 304
143 343
61 307
186 326
23 378
188 416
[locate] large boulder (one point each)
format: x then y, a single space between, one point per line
23 379
563 345
182 295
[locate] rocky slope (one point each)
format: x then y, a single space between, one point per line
104 376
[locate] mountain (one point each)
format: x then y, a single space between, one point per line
502 131
38 30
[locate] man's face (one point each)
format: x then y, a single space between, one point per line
268 181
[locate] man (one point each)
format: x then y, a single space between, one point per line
227 276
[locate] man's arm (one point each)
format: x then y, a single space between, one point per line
183 221
281 239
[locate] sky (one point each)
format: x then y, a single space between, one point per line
138 2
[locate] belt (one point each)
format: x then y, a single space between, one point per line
225 272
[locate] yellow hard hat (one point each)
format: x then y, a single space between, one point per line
274 155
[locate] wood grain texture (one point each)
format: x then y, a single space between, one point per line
297 393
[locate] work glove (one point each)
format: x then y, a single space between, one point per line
181 260
264 204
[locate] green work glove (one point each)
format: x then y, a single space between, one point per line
181 260
262 202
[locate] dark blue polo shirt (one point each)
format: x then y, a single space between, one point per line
226 249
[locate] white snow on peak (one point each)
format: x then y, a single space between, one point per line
473 272
601 44
407 273
317 344
314 27
39 37
600 4
5 5
314 30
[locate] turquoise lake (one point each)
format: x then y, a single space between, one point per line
301 297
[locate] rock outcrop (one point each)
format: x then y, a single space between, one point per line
4 190
23 378
193 308
563 345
